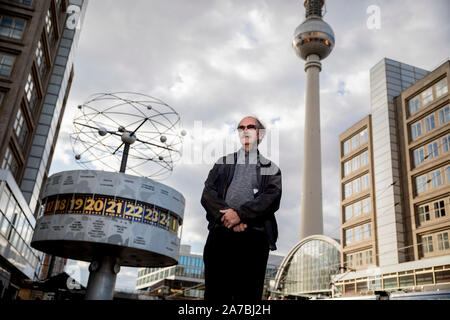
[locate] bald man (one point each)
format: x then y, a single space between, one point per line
241 195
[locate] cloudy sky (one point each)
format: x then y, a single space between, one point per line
216 61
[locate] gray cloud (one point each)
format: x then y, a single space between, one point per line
216 61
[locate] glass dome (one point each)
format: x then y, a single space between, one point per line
308 268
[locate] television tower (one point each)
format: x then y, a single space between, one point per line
313 42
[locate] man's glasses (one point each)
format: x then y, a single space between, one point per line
249 127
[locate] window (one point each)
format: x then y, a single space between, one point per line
427 96
40 60
419 156
433 150
346 146
355 163
49 28
424 213
365 181
441 88
436 178
349 236
355 142
366 205
356 186
359 259
416 130
9 162
6 64
348 190
443 243
367 230
413 105
421 184
444 115
446 143
364 158
358 233
357 209
348 212
20 128
369 258
427 244
347 168
363 136
447 174
11 27
439 209
430 122
30 92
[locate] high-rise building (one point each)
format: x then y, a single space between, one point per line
37 43
395 182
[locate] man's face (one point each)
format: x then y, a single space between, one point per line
248 132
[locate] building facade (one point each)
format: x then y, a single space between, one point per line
409 161
182 281
424 119
358 223
37 43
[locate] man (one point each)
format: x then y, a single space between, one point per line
241 195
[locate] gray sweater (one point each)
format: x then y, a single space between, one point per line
244 184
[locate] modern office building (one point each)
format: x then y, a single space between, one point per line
395 223
37 42
182 281
307 270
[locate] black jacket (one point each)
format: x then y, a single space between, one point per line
257 213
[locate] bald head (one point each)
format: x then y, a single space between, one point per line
251 132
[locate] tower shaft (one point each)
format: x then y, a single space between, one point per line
311 219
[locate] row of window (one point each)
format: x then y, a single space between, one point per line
355 163
182 261
427 96
191 261
355 142
407 279
358 208
171 271
15 227
359 233
359 259
429 123
25 2
433 179
432 150
357 185
435 243
432 211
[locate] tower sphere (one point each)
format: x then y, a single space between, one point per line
313 36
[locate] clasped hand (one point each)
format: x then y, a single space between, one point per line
231 219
